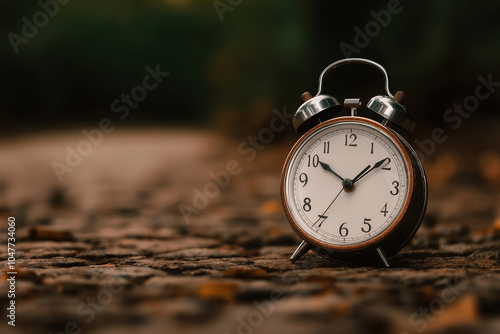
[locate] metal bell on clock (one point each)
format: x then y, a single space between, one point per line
314 110
392 110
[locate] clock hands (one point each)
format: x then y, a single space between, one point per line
367 169
347 184
360 175
327 167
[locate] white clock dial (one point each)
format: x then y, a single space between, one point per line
346 183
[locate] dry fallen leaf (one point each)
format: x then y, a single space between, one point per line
22 273
489 164
218 290
44 233
270 207
245 272
462 311
495 228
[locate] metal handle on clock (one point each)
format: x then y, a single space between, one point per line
354 61
389 107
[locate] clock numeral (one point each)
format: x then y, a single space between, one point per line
371 151
315 160
384 210
343 231
369 227
396 188
322 217
353 137
307 204
387 168
326 147
303 178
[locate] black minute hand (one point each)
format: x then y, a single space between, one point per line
329 169
367 170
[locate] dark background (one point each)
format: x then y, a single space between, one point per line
115 213
263 53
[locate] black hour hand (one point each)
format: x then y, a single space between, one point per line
384 162
327 167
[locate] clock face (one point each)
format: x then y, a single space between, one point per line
346 183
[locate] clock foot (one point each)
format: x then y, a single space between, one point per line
382 256
303 248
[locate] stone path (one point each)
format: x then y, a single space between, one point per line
108 251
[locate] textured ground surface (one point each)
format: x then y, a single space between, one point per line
107 251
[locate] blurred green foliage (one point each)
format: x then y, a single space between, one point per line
94 50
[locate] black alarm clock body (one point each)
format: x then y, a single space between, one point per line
353 188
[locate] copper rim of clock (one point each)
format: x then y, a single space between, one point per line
396 221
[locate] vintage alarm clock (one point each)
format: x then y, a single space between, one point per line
352 187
